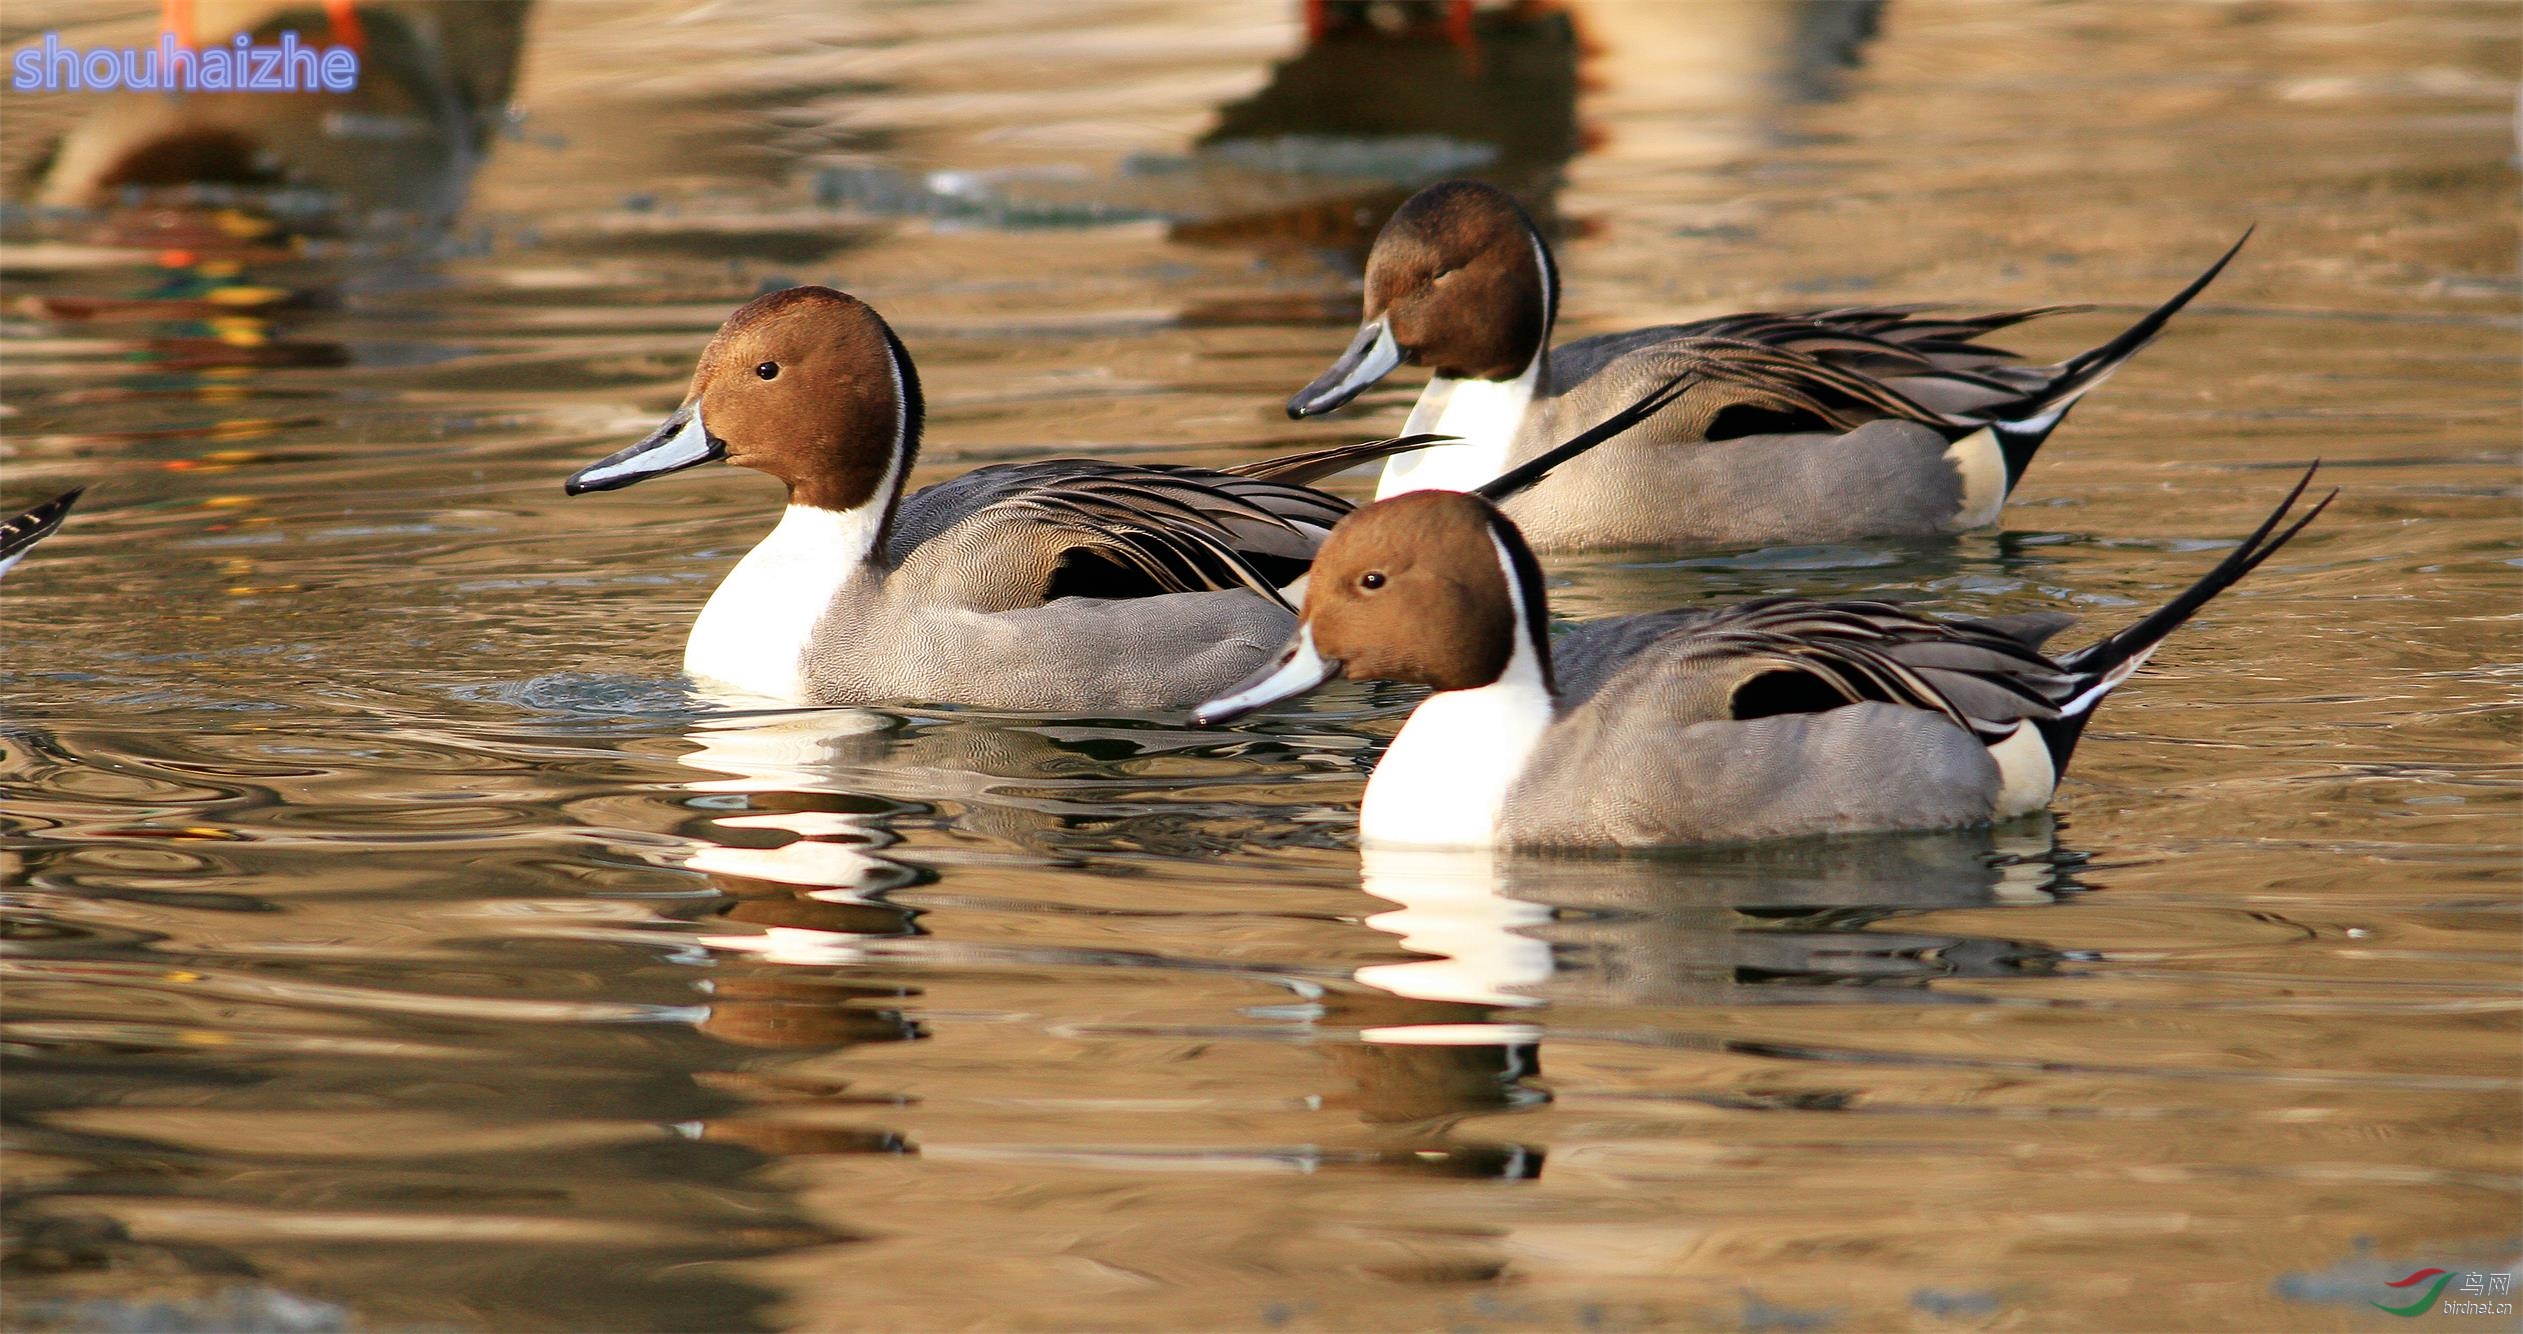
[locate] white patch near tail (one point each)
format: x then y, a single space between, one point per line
1486 415
2026 777
2024 873
1980 458
1981 463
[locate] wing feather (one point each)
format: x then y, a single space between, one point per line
1977 676
1724 373
1005 540
1926 366
1316 464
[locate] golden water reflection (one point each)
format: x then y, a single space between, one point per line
392 941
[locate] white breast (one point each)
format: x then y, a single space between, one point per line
1445 779
1486 414
754 632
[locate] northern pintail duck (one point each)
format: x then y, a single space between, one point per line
1775 718
19 535
1818 425
1059 585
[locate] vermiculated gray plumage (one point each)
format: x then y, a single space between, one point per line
992 596
1783 717
1808 425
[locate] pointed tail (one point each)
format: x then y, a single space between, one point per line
2103 665
2023 425
24 531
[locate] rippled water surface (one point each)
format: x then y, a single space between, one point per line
395 943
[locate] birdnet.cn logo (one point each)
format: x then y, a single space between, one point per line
2477 1294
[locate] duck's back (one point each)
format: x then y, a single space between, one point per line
1766 445
1646 752
1816 425
1022 535
1074 585
1671 730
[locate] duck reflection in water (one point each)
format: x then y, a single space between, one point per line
1392 96
227 190
1503 936
802 857
801 865
1386 96
802 814
400 147
805 868
1760 923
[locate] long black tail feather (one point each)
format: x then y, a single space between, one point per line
2101 656
2107 662
2022 427
1532 470
24 531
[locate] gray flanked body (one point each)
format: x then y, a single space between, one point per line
1602 779
1645 751
1659 486
1775 718
1880 480
966 610
987 592
1072 584
1875 421
1125 654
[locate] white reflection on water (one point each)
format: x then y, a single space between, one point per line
1455 909
1515 932
274 737
832 857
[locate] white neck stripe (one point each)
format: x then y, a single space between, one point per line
1445 779
1531 633
1550 291
1486 415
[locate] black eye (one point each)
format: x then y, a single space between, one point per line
1371 580
768 370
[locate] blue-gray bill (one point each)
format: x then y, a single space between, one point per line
1372 355
680 442
1296 669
